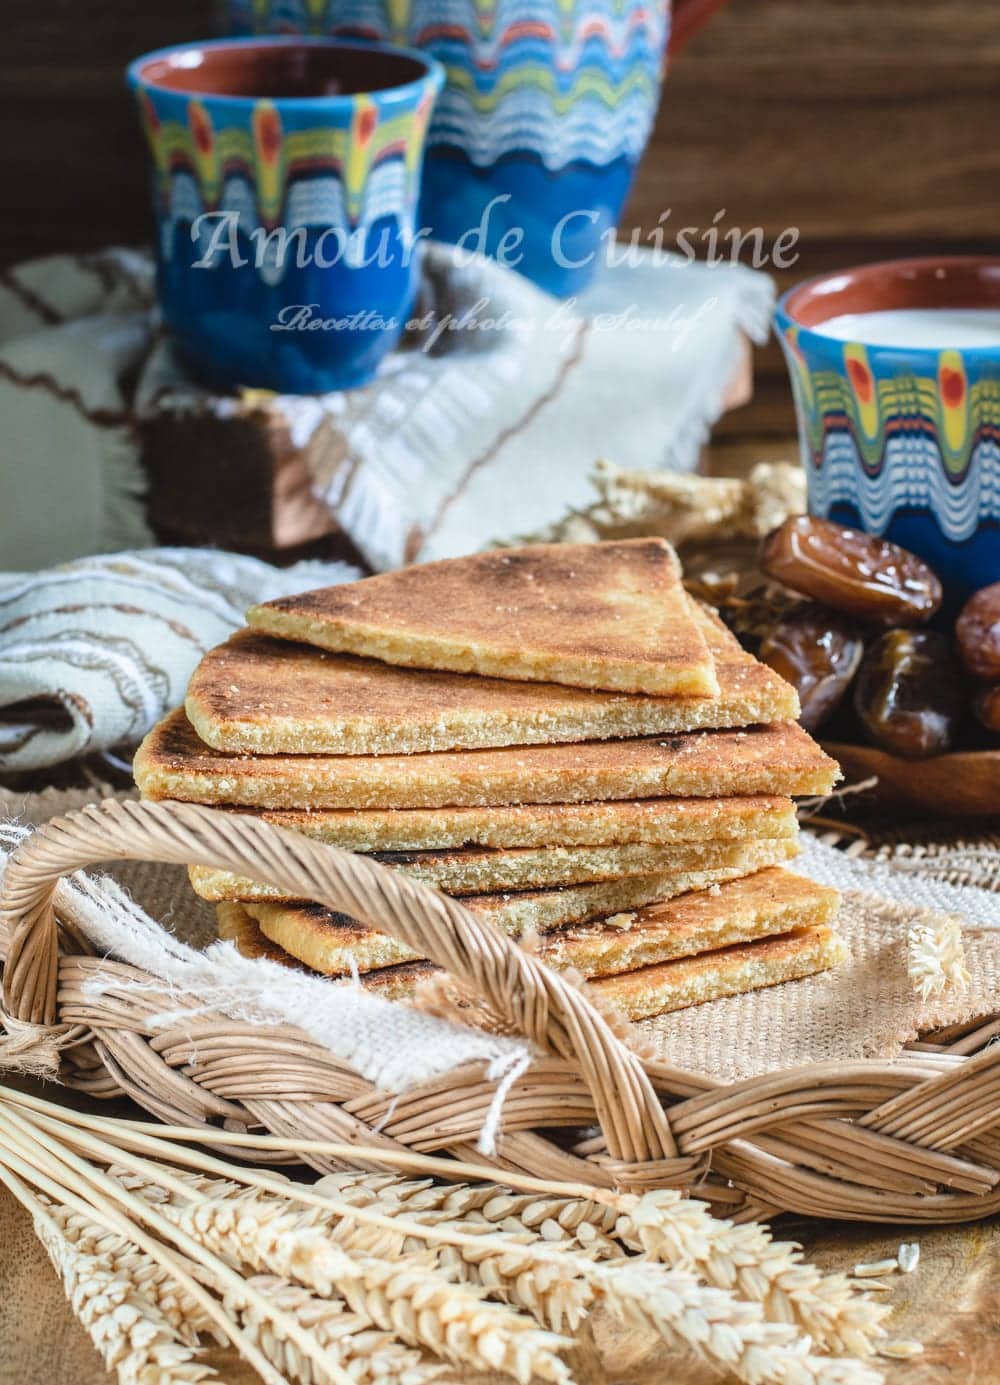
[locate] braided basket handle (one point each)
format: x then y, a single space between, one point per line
531 997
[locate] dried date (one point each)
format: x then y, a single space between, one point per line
978 633
818 652
909 693
986 707
858 574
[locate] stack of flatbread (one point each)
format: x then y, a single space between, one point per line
557 734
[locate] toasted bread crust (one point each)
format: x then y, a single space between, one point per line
657 821
604 615
717 936
327 941
732 971
769 902
778 759
259 695
483 870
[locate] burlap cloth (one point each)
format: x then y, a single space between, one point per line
867 1008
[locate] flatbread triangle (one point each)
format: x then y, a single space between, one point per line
259 695
604 615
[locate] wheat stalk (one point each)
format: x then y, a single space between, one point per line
677 1230
150 1280
459 1226
259 1230
407 1297
134 1338
42 1161
772 1272
557 1285
561 1286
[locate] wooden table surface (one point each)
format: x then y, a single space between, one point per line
869 127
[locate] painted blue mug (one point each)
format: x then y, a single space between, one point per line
286 177
546 111
895 368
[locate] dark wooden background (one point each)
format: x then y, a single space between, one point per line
871 125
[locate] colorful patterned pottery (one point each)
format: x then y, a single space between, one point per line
545 114
286 175
903 440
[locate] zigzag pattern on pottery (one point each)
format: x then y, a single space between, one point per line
559 80
886 443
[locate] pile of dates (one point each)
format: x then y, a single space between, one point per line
867 649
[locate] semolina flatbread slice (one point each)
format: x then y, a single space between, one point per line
767 903
335 944
395 982
485 870
658 821
601 615
265 696
688 981
324 941
777 759
234 925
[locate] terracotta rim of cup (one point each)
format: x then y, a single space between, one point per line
944 281
150 69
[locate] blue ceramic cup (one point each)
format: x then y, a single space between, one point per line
286 179
895 369
546 110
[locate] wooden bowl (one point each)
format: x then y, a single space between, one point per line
965 784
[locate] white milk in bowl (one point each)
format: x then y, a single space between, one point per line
931 329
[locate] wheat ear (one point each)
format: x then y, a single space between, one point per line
728 1332
134 1338
150 1280
674 1229
575 1219
556 1285
409 1298
682 1232
736 1337
40 1159
366 1354
139 1136
561 1286
671 1228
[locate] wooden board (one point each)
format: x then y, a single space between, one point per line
966 784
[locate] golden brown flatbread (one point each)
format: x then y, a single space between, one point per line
732 971
235 925
333 943
266 696
718 932
602 615
658 821
485 870
396 982
760 905
777 759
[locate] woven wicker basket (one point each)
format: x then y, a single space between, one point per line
912 1139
